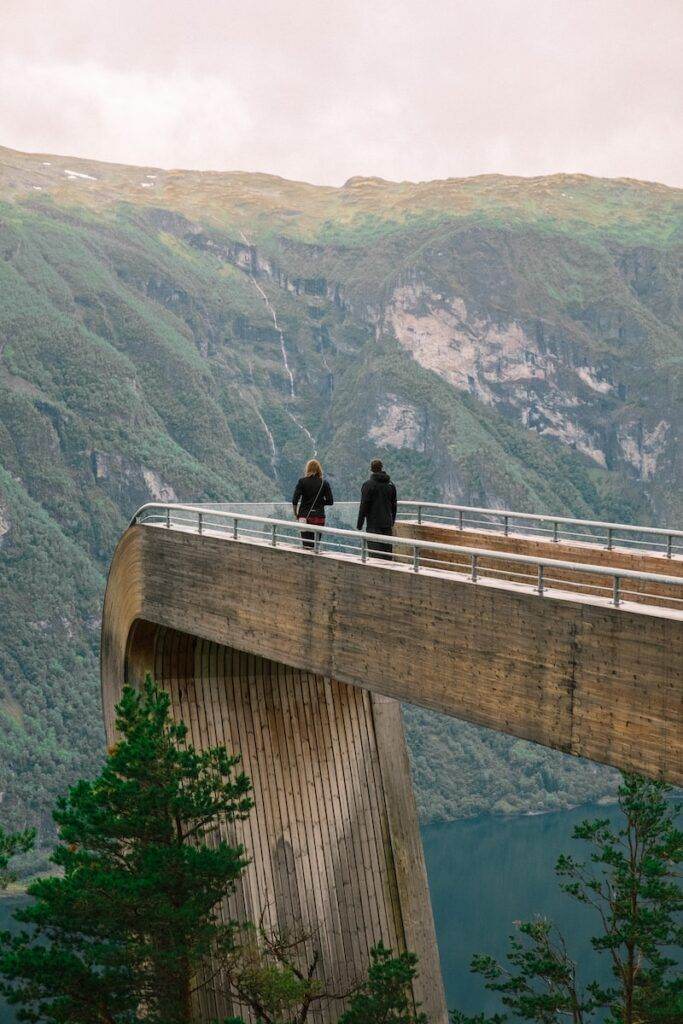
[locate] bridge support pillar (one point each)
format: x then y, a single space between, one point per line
336 852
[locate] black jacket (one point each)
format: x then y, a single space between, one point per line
377 504
311 495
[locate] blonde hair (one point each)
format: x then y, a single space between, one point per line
313 468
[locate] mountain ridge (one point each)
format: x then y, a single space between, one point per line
472 195
6 151
186 340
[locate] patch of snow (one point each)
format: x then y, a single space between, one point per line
78 174
150 175
397 424
588 375
46 163
146 184
38 188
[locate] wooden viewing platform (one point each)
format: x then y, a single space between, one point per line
298 660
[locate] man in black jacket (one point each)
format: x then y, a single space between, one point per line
378 508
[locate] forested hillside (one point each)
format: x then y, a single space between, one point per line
495 340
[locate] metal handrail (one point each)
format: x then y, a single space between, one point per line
166 512
552 521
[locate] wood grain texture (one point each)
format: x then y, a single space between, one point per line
574 674
334 839
297 660
568 551
322 859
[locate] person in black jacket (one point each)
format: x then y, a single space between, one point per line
311 494
378 508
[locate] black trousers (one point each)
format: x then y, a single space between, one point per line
377 549
308 536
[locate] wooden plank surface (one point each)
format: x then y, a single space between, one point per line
322 822
289 657
579 676
564 550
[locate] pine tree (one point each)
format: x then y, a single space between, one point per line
123 931
10 846
631 884
386 997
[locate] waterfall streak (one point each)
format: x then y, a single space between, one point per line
283 347
271 440
305 431
285 360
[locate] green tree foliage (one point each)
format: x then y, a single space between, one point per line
264 971
264 975
131 925
386 997
10 845
630 881
144 868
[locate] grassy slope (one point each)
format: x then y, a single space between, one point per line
134 357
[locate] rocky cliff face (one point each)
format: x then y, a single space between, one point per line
164 335
542 382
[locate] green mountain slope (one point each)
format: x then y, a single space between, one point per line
497 341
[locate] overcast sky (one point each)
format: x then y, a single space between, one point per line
321 90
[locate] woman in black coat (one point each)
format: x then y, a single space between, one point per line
311 496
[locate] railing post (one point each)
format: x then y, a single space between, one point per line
609 538
474 568
669 546
234 529
505 525
316 541
363 550
273 539
200 522
168 518
419 515
541 582
615 592
556 533
416 558
460 519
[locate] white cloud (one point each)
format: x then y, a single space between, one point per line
124 116
324 90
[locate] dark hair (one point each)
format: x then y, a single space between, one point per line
376 466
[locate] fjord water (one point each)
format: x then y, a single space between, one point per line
483 875
487 873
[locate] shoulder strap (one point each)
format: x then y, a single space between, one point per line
322 484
